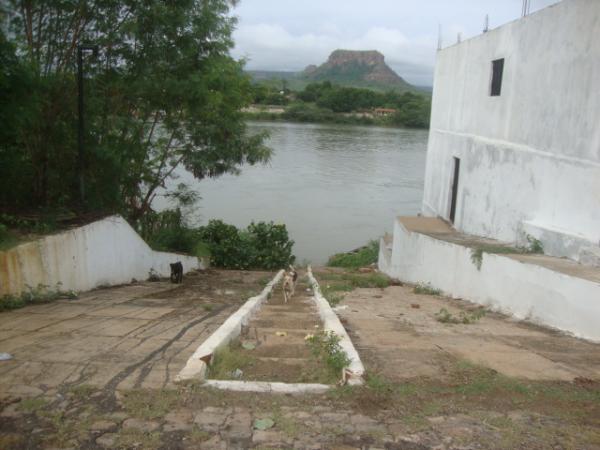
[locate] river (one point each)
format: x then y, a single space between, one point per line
334 186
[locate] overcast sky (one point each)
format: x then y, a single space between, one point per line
291 34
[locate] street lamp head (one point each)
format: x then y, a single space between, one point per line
89 48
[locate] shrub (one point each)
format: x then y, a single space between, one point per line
260 246
325 346
224 243
166 231
360 257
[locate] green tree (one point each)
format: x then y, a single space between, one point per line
163 94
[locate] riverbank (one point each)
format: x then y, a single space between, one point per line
308 113
325 117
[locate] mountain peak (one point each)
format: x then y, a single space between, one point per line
357 67
371 57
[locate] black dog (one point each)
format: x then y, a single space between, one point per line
176 272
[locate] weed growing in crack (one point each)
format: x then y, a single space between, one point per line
40 294
427 289
534 246
326 346
444 316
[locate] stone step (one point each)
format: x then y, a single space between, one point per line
282 350
286 323
271 332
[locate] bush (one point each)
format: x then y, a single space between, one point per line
165 231
260 246
224 243
3 232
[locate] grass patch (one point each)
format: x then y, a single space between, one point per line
147 404
336 285
228 359
134 438
426 289
351 281
360 257
198 436
83 391
40 294
32 405
287 425
379 384
444 316
332 298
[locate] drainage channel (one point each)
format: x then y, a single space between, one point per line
269 350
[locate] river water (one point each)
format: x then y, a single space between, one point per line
334 186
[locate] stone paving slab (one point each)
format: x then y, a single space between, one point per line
104 334
398 328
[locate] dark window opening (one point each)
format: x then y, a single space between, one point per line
497 68
454 189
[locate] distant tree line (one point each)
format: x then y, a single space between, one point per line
319 100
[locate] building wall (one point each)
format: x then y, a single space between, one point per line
523 290
105 252
530 158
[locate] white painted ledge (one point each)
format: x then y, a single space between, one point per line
353 374
196 365
268 387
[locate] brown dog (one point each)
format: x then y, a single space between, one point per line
289 283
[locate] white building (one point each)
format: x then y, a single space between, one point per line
514 151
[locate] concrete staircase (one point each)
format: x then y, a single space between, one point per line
279 332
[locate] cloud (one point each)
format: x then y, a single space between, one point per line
272 47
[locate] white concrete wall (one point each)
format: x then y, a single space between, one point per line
105 252
526 291
531 154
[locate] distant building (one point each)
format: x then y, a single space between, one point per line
383 112
514 155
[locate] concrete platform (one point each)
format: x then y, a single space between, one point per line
550 291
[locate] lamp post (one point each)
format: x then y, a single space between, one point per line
81 125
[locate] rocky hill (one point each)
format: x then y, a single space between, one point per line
356 68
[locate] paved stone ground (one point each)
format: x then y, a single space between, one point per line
96 373
138 335
397 329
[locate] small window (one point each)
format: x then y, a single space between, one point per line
497 67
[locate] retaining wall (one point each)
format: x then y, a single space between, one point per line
106 252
